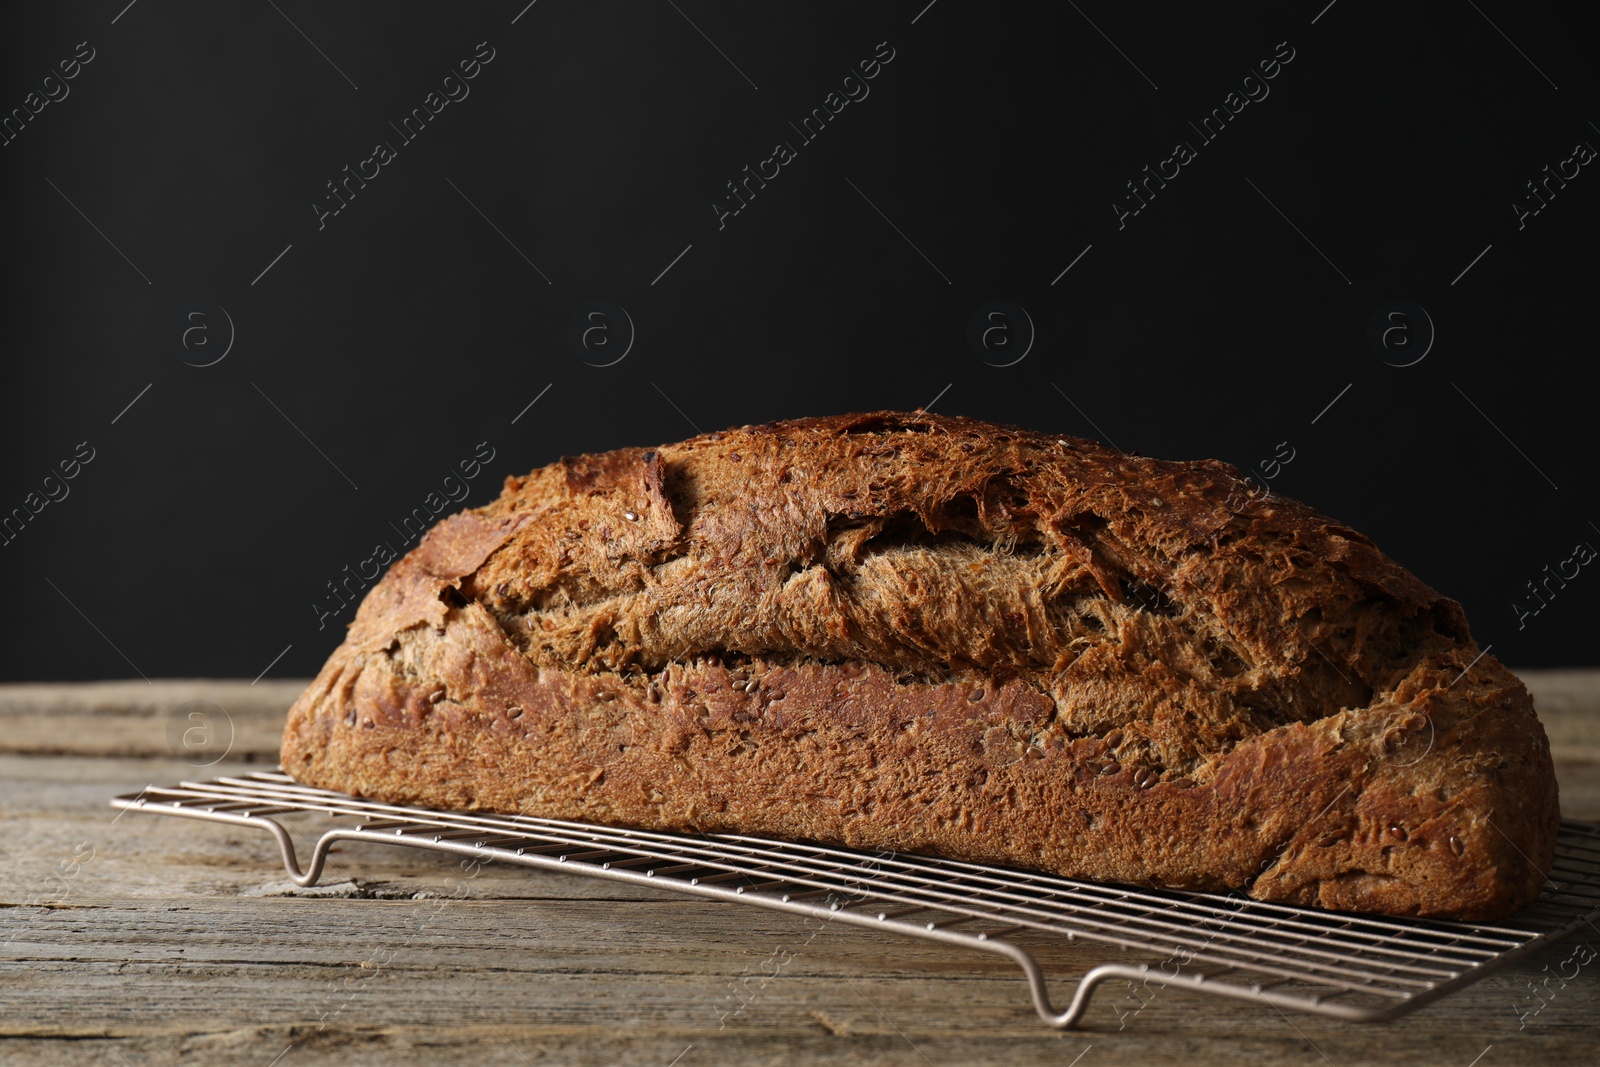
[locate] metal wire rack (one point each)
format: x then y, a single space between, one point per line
1359 968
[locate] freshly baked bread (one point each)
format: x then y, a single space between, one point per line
931 634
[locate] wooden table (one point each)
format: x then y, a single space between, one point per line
138 939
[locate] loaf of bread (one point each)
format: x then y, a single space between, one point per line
937 635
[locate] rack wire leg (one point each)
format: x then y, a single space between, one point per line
319 852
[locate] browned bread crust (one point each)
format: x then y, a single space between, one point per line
932 634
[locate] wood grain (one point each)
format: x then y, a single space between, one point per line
135 939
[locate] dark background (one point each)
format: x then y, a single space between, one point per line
379 350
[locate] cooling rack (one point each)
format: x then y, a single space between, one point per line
1359 968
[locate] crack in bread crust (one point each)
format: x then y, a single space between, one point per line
935 634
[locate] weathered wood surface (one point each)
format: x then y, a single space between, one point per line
137 939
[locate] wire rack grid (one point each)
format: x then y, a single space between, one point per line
1359 968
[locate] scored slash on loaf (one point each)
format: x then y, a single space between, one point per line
931 634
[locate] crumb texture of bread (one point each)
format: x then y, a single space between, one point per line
932 634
